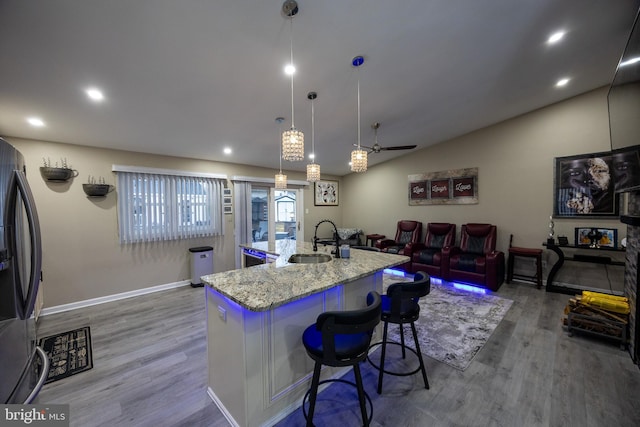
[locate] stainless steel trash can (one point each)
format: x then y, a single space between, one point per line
201 264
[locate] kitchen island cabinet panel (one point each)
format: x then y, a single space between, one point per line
258 369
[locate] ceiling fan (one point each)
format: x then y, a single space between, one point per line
378 148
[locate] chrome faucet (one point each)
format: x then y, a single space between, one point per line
335 233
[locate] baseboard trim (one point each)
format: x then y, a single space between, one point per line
227 415
110 298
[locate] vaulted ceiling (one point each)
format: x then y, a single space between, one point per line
189 78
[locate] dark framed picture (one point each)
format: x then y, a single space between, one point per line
584 187
326 193
450 187
596 237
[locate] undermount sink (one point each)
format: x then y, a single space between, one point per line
309 258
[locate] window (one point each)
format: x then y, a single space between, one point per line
154 206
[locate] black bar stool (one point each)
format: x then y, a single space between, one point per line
400 306
525 253
341 338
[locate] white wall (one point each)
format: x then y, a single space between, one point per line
82 256
515 161
83 259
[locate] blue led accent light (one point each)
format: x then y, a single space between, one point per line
254 253
470 288
397 272
461 286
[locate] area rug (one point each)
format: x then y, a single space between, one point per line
454 324
69 353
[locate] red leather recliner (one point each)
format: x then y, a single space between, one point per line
427 256
407 232
476 260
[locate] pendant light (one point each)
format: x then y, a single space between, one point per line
358 156
281 179
292 139
313 169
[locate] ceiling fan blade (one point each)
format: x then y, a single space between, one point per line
363 146
399 147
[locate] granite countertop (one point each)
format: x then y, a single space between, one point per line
266 286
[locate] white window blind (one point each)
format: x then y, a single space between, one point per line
153 207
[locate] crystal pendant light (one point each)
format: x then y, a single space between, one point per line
281 179
358 156
292 139
313 169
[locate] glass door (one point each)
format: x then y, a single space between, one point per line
285 214
275 214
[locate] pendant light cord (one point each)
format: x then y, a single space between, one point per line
292 73
313 131
358 110
280 146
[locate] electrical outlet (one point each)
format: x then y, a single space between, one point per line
222 313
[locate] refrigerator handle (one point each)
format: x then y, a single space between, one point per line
19 183
43 376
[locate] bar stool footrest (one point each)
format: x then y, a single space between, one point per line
336 380
397 374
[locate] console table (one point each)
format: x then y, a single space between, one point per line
598 257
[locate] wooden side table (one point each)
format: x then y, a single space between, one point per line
373 238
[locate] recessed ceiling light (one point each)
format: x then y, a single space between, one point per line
227 150
289 69
35 122
555 37
562 82
95 94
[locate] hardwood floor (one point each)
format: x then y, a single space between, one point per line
149 356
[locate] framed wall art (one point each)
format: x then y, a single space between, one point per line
227 201
326 193
452 187
585 185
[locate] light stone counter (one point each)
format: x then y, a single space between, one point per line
267 286
258 368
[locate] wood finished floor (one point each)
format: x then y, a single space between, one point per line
149 356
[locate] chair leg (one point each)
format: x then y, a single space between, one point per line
384 349
314 393
419 352
404 353
510 268
363 407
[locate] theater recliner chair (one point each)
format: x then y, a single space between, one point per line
427 256
407 232
476 260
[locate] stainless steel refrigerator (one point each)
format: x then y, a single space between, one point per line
23 365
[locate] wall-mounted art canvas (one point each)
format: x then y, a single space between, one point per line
452 187
326 193
584 187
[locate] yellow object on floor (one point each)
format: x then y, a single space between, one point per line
605 296
605 302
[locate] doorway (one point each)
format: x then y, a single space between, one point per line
276 214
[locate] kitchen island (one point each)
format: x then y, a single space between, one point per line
258 370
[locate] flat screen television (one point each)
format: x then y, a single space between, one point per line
624 115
